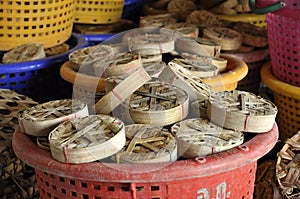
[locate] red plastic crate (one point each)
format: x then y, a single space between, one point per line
228 174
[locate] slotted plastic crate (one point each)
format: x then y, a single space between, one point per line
47 22
40 79
284 38
98 11
287 100
228 174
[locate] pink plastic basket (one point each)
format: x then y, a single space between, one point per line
228 174
284 38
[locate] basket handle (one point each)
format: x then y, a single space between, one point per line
270 8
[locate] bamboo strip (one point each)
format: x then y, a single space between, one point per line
122 91
195 88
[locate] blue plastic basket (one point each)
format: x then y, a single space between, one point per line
133 9
94 39
40 79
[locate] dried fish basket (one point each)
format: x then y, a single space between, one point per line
241 110
40 119
254 60
24 21
87 139
158 104
286 98
98 12
147 144
32 78
199 137
255 19
190 178
228 80
287 168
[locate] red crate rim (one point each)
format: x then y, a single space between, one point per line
245 154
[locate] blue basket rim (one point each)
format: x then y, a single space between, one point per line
43 63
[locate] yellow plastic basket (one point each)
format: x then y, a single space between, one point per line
255 19
287 100
48 22
98 12
228 80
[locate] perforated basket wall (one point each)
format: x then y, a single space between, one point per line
255 19
284 39
41 21
98 11
40 79
213 176
287 100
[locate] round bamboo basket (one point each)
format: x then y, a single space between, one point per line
147 144
40 119
87 139
158 104
199 137
241 110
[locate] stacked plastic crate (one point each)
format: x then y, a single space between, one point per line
282 74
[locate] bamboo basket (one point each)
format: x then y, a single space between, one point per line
87 139
287 169
158 104
40 119
147 144
241 110
194 68
122 65
151 44
83 59
197 46
199 137
122 91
